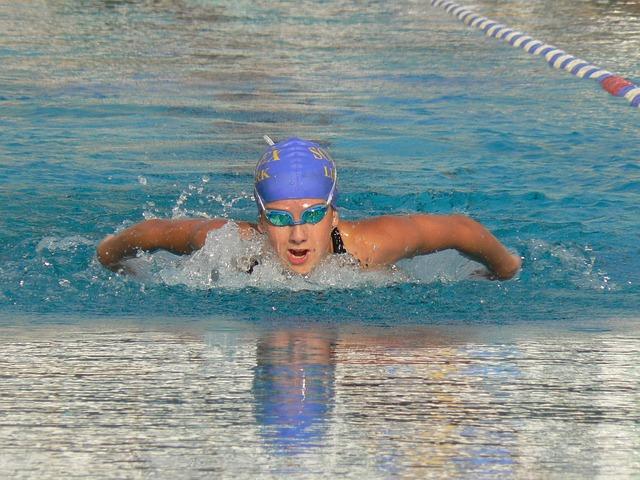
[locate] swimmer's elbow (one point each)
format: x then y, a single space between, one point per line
463 223
467 234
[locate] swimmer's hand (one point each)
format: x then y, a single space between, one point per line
108 256
511 268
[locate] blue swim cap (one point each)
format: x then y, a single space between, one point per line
295 168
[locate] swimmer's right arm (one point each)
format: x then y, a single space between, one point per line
181 237
387 239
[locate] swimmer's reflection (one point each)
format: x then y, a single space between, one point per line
294 387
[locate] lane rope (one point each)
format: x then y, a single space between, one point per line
557 58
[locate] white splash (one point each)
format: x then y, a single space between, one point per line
444 266
195 193
576 263
53 244
229 261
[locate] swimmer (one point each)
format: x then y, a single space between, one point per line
295 191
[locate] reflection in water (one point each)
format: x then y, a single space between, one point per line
430 392
215 398
293 387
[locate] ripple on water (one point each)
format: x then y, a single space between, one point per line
166 400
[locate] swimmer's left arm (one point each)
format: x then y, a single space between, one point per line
385 240
179 236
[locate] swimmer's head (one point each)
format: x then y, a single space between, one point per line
294 169
295 189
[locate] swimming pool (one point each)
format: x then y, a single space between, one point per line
112 112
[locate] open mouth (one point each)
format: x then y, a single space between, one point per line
297 257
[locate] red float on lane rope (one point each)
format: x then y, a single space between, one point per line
615 84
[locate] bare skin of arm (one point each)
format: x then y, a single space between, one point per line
385 240
182 236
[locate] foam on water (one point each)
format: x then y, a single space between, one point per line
54 244
226 259
554 261
230 262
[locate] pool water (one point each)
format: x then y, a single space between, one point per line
112 112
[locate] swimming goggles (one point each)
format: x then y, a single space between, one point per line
282 218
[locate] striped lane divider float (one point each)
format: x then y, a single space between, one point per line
557 58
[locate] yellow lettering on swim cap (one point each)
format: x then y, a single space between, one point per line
329 172
276 154
261 175
318 154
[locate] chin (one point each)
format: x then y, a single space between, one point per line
300 269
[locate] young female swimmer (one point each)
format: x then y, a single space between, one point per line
295 190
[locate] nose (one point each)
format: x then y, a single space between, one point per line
298 234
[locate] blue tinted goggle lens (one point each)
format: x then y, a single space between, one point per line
314 215
282 218
278 218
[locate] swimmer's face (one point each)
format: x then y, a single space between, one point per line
300 248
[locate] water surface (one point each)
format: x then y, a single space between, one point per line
112 112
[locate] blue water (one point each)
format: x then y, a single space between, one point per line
546 161
113 112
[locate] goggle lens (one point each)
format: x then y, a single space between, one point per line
278 218
314 215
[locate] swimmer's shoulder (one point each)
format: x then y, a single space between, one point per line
383 240
362 238
357 231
